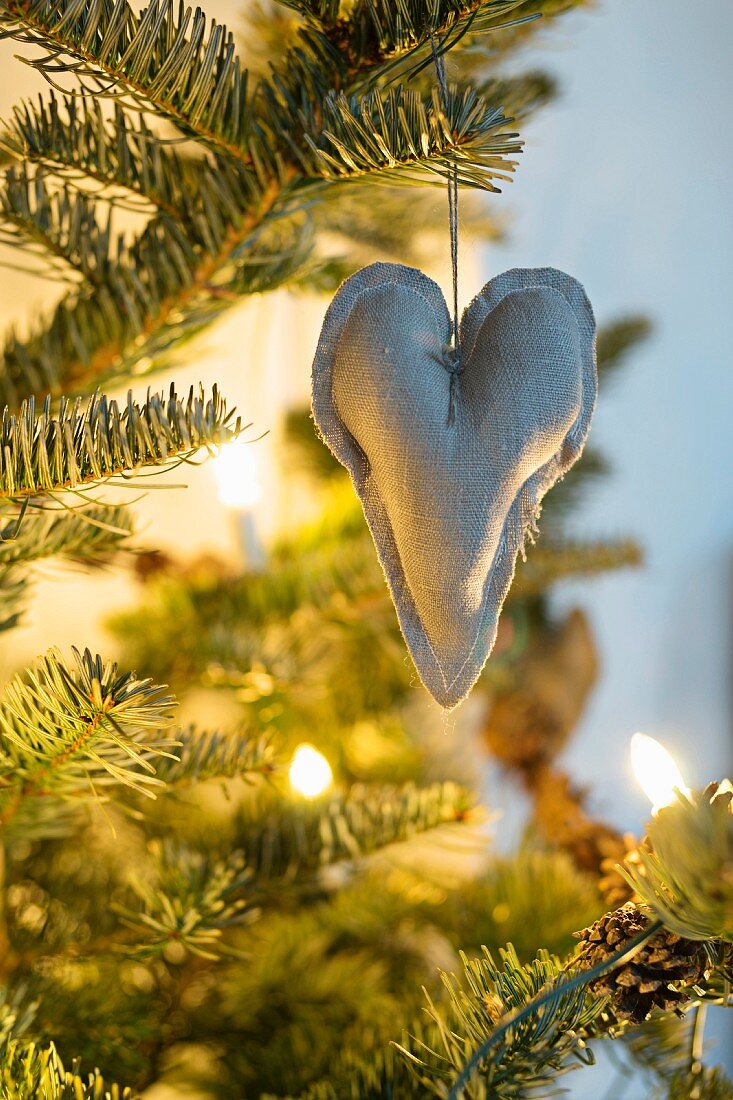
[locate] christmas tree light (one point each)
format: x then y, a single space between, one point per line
239 488
309 773
656 771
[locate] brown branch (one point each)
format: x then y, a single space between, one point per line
30 230
35 783
530 720
56 168
102 364
20 11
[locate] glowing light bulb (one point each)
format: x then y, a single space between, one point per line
235 469
656 771
310 773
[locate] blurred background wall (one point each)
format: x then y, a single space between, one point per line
626 183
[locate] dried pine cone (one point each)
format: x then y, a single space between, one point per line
656 977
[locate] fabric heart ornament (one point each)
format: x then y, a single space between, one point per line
451 455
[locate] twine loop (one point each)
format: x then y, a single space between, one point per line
452 363
452 352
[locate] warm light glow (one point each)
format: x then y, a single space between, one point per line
235 469
655 771
310 773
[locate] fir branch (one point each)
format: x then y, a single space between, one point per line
91 534
61 226
81 447
318 570
373 43
72 137
402 138
528 1050
29 1071
309 988
16 1014
214 755
323 12
86 535
172 283
281 636
536 1023
325 587
546 563
617 339
661 1048
705 1084
360 231
614 342
162 290
403 24
537 892
389 35
298 839
377 1075
73 732
521 96
13 594
162 58
193 899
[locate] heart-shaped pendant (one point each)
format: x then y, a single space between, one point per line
451 455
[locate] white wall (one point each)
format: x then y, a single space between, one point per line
626 183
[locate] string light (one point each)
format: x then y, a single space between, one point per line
240 491
237 480
310 773
656 771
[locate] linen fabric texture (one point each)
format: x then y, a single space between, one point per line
451 456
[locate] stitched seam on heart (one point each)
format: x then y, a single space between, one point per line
391 283
529 506
528 514
344 322
529 509
526 506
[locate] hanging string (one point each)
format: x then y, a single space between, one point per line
453 352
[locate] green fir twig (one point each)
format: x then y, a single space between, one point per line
82 446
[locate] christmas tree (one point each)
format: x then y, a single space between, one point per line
176 910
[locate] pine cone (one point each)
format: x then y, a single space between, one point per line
656 977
